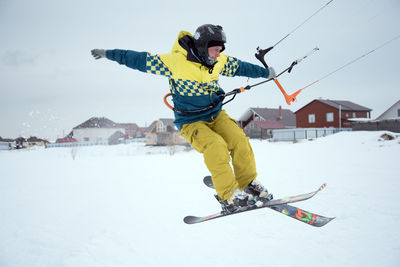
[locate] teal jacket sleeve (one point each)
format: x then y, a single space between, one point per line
250 70
129 58
236 67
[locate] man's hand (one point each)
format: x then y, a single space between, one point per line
272 73
98 53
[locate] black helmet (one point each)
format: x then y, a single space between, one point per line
208 35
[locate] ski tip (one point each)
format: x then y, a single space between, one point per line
323 221
322 186
330 219
191 219
207 180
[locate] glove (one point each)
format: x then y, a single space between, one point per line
98 53
271 73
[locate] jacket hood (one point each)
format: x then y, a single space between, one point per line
185 44
177 47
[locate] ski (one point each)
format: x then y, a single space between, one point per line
279 205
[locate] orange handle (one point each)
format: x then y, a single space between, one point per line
166 102
289 98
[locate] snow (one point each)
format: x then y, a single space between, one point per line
123 206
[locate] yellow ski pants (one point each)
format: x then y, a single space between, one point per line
219 141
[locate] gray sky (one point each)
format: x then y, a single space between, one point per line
50 83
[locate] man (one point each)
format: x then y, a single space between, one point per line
193 67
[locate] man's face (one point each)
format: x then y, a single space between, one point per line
214 51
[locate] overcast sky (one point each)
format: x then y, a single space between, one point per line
50 83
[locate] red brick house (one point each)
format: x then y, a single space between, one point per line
321 113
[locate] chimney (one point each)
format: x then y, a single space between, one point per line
280 112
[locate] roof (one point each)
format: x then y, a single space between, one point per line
129 126
151 126
270 124
271 114
98 123
340 104
345 105
168 122
6 139
386 111
35 139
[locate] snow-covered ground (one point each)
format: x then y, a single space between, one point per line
123 206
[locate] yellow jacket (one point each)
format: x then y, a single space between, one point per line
193 86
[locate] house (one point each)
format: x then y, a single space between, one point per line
388 120
163 132
132 130
321 113
7 144
34 141
392 113
20 141
116 138
259 122
96 130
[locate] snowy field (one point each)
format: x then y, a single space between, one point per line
124 206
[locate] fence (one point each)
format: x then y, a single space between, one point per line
82 143
383 125
303 133
93 143
7 145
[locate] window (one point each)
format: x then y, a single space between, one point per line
329 117
398 113
311 118
161 128
354 115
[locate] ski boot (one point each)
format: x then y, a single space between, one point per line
258 192
240 200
